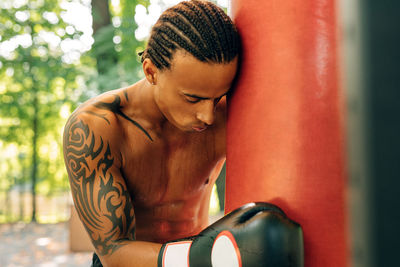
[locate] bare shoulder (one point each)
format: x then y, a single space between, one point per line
102 107
102 110
93 162
95 125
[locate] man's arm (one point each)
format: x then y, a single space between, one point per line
100 193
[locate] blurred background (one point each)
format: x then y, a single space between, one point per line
54 55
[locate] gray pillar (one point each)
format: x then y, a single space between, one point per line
371 57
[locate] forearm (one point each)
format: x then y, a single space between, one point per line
133 254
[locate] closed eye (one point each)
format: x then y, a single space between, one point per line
195 99
191 99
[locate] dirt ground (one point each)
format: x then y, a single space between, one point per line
41 245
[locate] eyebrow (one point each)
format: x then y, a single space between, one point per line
200 97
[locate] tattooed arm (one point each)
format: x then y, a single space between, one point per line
100 193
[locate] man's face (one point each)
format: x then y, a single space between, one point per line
189 91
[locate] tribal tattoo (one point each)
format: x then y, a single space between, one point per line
115 107
99 191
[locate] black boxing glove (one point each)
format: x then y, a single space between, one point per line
256 234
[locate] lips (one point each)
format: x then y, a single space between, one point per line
199 129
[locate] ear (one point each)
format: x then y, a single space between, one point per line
150 71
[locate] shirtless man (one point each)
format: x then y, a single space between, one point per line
142 160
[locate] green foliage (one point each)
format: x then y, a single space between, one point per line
129 45
35 84
127 69
40 84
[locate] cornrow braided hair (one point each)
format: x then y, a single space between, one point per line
199 27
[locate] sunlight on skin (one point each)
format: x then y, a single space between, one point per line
78 15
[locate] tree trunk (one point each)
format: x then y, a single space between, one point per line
7 210
101 14
103 33
22 189
34 153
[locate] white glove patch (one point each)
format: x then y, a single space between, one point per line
177 254
225 252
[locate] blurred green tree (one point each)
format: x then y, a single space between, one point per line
115 46
103 32
37 83
44 76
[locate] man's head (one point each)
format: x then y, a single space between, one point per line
190 61
199 27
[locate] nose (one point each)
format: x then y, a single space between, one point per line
206 112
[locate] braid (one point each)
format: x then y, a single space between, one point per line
181 23
204 25
216 26
158 60
180 41
198 27
222 30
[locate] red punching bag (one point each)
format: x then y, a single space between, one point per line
285 131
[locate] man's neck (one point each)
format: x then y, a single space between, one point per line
142 106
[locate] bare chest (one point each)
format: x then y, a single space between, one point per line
170 171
